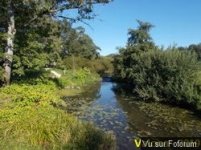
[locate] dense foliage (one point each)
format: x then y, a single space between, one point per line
194 48
78 77
33 36
101 65
41 47
75 42
168 75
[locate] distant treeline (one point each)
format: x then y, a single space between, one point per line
101 65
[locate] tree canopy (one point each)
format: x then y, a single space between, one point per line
76 42
139 40
32 35
170 75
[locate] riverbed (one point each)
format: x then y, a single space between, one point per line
128 117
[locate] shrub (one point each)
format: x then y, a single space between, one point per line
78 77
33 77
171 76
25 94
102 65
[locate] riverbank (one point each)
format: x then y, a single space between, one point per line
128 117
31 118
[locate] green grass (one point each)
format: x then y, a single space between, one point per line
24 94
45 127
77 78
30 118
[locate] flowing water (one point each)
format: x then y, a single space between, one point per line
128 118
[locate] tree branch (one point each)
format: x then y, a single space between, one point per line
63 7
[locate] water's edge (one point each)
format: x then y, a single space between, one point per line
128 118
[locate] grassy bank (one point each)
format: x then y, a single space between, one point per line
77 78
30 118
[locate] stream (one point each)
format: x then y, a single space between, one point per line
128 118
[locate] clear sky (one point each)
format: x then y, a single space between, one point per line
176 22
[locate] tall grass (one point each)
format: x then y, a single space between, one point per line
30 119
45 127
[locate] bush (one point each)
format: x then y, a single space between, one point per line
33 77
78 77
102 65
25 94
171 76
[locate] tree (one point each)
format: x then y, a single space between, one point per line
154 74
77 43
196 48
38 47
140 35
20 15
139 41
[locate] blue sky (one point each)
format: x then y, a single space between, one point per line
176 22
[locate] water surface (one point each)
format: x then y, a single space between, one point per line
128 118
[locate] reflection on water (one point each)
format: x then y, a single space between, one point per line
128 118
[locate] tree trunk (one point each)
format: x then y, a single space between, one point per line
9 48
